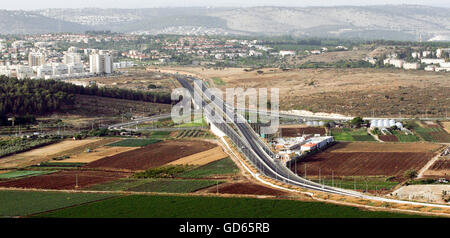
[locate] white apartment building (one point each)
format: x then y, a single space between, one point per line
398 63
44 70
432 61
415 55
60 69
411 65
72 58
101 63
24 72
286 52
75 68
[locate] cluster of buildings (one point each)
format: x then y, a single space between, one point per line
24 59
428 60
289 148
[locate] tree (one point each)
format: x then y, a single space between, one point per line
410 174
356 122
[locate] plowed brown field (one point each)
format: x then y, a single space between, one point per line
367 159
246 188
151 156
65 180
388 138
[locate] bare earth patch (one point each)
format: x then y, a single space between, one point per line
202 158
43 154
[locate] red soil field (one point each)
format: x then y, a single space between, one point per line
295 132
362 163
440 136
246 188
441 164
388 138
65 179
153 155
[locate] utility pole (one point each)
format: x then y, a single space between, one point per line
332 178
305 171
319 175
76 181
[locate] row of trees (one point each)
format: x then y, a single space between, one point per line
36 97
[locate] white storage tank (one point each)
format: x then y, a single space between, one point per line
391 123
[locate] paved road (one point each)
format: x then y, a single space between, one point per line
258 153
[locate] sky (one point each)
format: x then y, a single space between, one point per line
40 4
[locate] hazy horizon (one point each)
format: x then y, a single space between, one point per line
131 4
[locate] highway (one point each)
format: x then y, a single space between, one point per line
257 151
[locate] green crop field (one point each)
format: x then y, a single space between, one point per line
406 138
218 81
23 173
173 186
118 185
143 206
160 135
346 134
219 167
22 203
431 134
134 142
359 183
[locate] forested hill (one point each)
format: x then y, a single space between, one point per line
37 97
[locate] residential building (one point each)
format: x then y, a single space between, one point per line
101 63
432 61
36 59
411 65
72 58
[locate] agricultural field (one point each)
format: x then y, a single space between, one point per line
16 145
201 158
151 156
91 155
144 206
134 142
69 179
154 185
402 137
195 133
445 125
439 169
160 135
347 134
430 131
246 188
367 159
217 168
23 173
383 92
49 152
373 184
24 203
290 131
388 138
173 186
